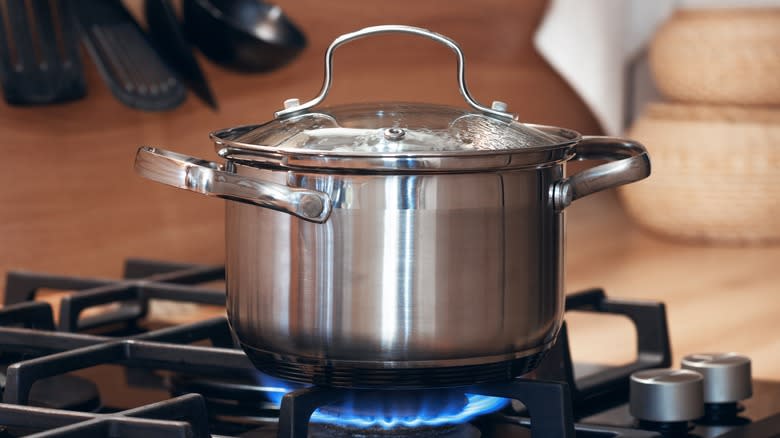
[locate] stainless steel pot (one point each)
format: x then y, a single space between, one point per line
401 245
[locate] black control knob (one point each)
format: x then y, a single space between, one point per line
666 395
727 377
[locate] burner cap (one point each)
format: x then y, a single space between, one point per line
317 430
399 404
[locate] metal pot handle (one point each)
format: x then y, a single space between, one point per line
630 163
292 106
208 178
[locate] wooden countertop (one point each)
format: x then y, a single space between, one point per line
71 204
717 298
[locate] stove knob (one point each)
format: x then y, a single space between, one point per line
666 396
727 376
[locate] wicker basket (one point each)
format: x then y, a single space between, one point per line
721 56
716 173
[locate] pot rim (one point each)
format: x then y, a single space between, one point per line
417 161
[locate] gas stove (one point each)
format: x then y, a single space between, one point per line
103 368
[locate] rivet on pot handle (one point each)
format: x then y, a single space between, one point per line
630 163
208 178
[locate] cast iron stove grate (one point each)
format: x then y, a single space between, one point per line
28 333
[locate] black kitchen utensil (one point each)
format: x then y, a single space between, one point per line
39 52
168 36
245 35
128 63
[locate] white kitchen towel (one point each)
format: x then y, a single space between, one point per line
592 42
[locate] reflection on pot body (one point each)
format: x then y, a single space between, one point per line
396 245
409 270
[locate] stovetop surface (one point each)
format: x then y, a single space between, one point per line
113 372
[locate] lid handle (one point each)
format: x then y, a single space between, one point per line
293 106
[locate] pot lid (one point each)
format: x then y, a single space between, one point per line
392 135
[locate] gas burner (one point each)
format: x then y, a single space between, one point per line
406 410
463 430
541 398
367 409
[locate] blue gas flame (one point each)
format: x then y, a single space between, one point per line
476 405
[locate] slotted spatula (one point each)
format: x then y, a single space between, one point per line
125 57
39 52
